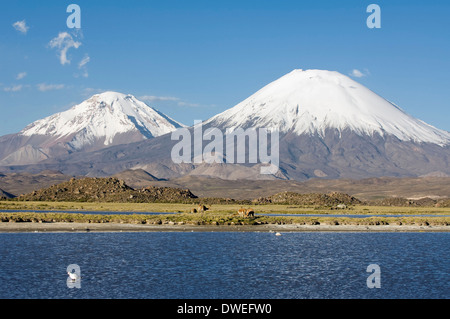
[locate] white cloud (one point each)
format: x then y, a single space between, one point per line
63 42
21 26
88 92
359 74
188 104
179 102
85 61
82 65
14 88
152 98
43 87
21 75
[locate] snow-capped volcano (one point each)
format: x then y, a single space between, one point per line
103 117
330 127
313 101
101 121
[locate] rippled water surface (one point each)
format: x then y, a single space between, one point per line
224 265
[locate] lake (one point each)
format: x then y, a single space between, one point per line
224 265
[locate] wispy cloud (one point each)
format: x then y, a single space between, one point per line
359 74
21 26
63 42
21 75
82 65
188 104
152 98
43 87
88 92
85 61
14 88
176 100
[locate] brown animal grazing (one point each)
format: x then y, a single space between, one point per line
246 212
249 213
193 211
241 212
202 208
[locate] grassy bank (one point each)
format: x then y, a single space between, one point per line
216 219
218 208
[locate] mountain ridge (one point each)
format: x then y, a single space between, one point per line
356 141
312 101
103 120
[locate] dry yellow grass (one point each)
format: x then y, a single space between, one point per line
215 219
217 208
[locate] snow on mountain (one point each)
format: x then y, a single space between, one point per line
331 127
103 116
312 101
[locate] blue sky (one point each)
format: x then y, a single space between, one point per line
194 59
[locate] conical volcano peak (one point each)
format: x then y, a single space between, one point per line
301 84
111 98
299 75
313 101
110 95
103 117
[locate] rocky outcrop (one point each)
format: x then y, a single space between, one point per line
405 202
107 190
443 203
5 195
291 198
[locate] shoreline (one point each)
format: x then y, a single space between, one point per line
117 227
